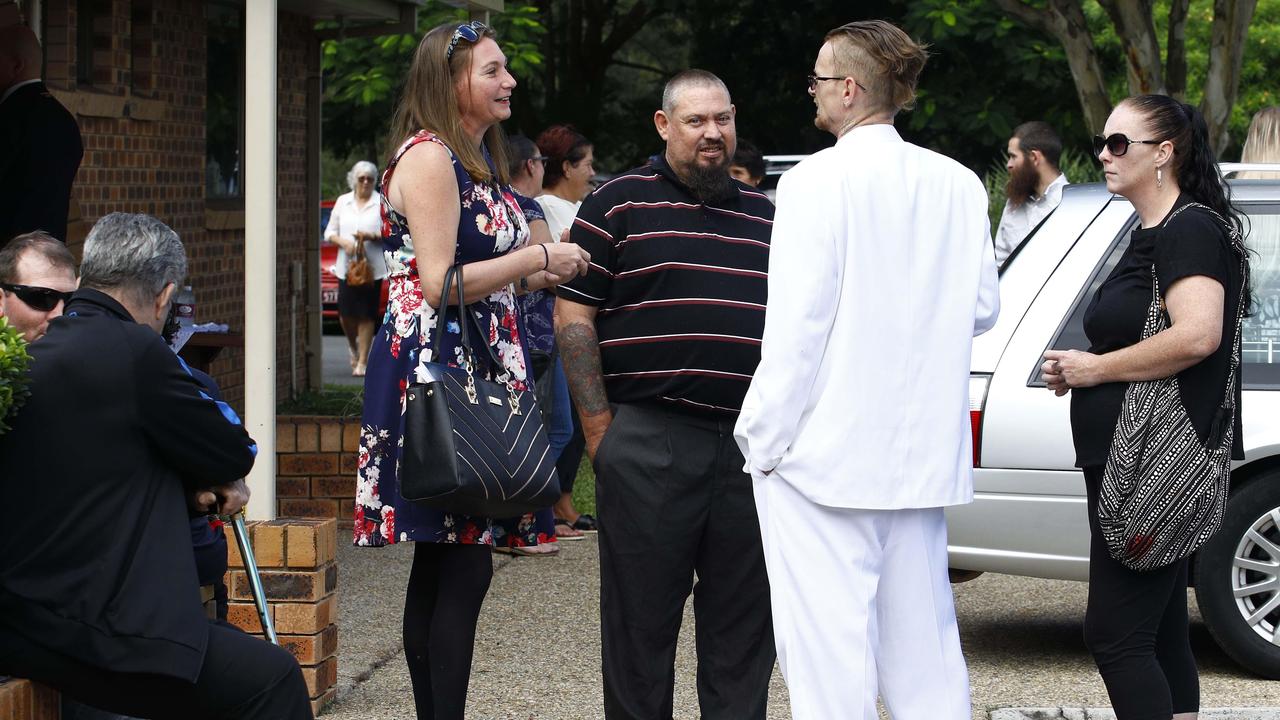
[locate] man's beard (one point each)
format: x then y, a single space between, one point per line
1022 183
709 183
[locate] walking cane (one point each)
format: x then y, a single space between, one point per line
255 580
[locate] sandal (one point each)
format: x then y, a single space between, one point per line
543 550
586 524
566 531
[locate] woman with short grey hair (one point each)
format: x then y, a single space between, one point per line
355 226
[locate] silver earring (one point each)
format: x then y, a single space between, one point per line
1159 178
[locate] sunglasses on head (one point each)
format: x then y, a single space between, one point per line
38 298
471 32
1117 144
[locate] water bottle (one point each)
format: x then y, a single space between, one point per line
185 307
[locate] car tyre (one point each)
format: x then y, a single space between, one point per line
1238 578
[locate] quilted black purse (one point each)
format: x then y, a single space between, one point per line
474 445
1164 491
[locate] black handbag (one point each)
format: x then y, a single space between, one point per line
474 445
1164 490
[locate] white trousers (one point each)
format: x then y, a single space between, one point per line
862 606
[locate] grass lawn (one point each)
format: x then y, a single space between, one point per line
584 488
332 400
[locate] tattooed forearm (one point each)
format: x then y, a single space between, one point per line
580 352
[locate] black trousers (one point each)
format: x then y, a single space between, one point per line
672 501
244 677
1136 626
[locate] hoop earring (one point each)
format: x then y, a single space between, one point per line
1159 178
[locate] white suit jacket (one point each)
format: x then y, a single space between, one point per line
881 271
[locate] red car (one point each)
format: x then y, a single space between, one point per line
329 281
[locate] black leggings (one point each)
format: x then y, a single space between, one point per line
1136 626
447 585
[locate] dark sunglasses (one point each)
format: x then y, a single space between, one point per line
815 79
471 32
1117 144
539 158
38 298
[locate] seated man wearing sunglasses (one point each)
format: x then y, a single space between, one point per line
37 275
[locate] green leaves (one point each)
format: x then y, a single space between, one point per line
13 373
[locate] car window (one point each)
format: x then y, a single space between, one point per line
1260 333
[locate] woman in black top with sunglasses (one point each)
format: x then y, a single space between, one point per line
1156 153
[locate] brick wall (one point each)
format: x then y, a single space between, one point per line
25 700
142 121
316 466
297 563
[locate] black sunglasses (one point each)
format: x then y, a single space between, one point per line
470 32
38 298
815 79
539 158
1117 143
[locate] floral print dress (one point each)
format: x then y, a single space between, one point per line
491 224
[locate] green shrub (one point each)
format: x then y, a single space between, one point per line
13 373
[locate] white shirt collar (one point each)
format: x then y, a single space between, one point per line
14 88
876 132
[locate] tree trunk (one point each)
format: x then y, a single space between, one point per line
1175 73
1226 52
1137 30
1064 19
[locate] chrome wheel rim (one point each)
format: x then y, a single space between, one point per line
1255 576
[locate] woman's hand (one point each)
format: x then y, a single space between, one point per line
563 261
1066 369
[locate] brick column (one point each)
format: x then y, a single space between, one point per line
296 558
316 457
25 700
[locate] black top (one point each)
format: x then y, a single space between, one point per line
40 152
1194 243
95 549
681 286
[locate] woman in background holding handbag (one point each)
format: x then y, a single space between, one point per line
1156 153
446 201
355 226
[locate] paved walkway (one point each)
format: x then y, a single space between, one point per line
538 649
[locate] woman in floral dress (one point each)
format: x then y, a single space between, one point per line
446 201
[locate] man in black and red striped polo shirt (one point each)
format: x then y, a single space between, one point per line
659 341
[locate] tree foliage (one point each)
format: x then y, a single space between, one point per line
601 65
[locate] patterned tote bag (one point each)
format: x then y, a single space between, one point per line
1164 492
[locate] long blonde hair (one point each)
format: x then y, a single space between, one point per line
1262 142
430 102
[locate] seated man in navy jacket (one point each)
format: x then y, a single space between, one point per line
117 444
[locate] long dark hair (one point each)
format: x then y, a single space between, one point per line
1194 164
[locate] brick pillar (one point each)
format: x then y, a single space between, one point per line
317 458
25 700
296 559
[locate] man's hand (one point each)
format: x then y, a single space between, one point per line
222 499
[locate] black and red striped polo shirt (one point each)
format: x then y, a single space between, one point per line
680 285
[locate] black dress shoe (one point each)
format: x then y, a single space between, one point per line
585 523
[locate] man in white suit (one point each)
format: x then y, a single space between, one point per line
855 427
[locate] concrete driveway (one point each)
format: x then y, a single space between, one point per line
538 649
